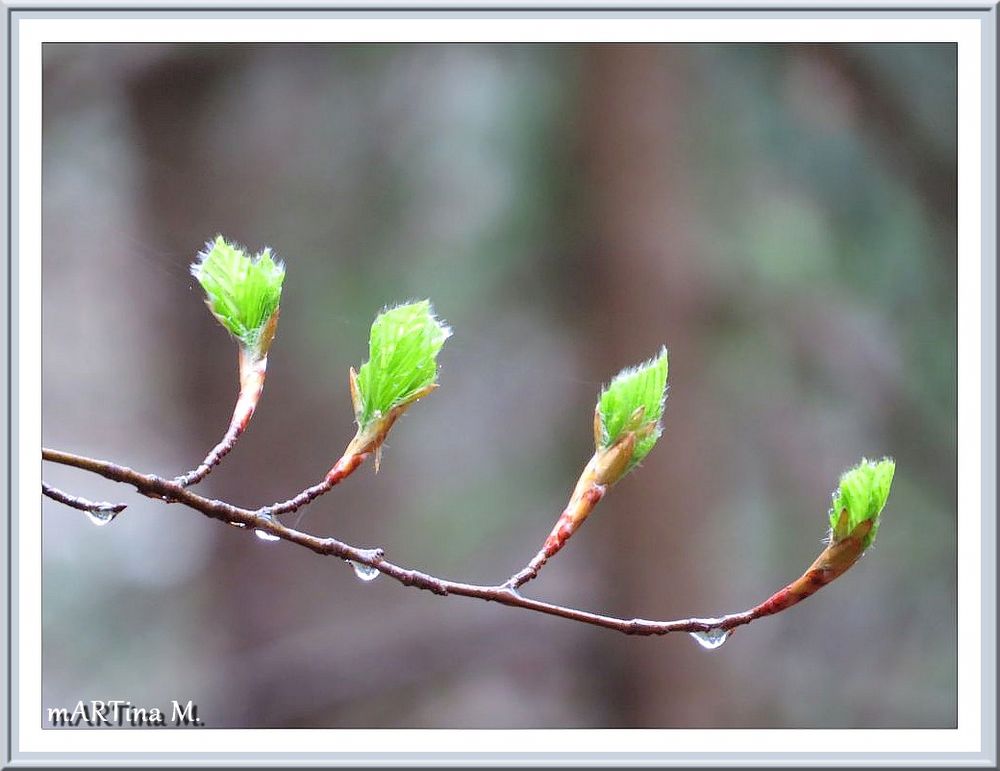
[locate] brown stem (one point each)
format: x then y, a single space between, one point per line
170 491
80 503
253 371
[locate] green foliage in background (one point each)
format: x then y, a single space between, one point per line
243 293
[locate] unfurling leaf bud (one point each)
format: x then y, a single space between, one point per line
243 292
860 498
401 368
627 419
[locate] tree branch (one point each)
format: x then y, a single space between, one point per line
82 504
711 631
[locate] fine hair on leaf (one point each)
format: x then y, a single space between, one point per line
243 292
862 493
634 401
402 359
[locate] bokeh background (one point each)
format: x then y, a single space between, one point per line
783 217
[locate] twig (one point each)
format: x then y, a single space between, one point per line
606 466
81 503
824 570
253 371
588 494
343 468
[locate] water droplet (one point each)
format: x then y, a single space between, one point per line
364 572
101 517
237 524
711 639
265 536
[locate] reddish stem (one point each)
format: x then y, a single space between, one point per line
343 468
832 563
252 374
585 498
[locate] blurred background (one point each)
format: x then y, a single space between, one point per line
783 217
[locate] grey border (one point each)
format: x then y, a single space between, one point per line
989 382
985 11
8 467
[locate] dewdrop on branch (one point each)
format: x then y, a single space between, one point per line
99 513
244 295
402 367
626 428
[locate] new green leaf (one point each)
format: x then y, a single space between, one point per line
634 401
862 493
243 292
402 360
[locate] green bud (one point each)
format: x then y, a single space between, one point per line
861 496
243 293
633 403
402 361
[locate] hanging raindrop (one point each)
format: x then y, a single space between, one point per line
712 638
364 572
265 536
101 517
